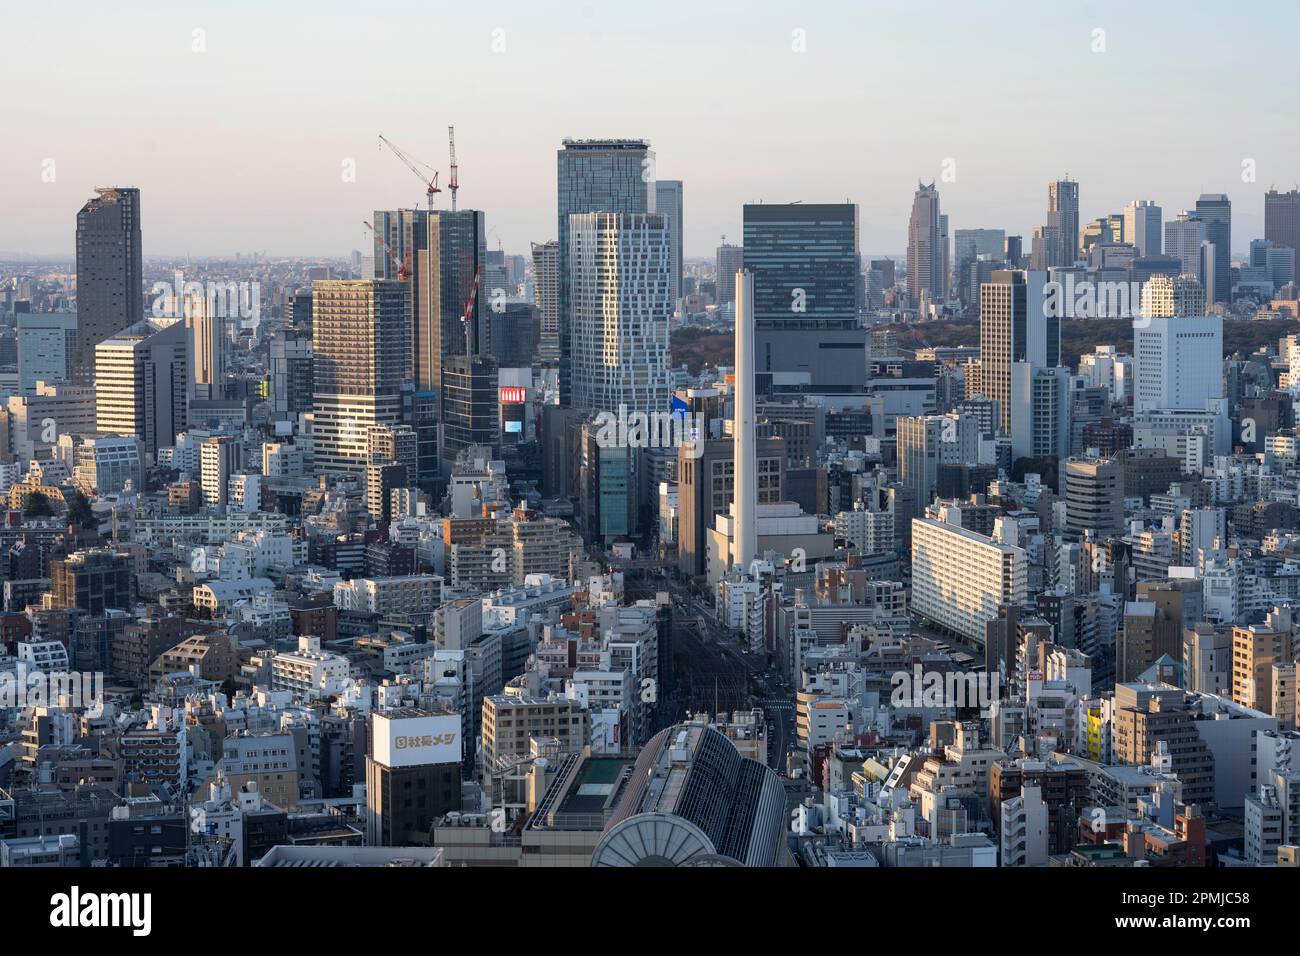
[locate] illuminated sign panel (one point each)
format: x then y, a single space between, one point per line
512 394
412 741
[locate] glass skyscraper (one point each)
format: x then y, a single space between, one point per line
596 175
1215 210
805 262
110 275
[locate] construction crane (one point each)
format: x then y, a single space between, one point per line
455 170
430 185
403 266
466 317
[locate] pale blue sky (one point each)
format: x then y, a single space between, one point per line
240 148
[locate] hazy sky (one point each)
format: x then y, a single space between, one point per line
241 147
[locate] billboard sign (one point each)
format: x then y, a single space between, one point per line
417 740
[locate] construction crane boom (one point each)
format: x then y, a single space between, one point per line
414 165
403 267
454 184
466 317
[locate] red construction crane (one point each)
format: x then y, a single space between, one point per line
413 164
455 170
465 318
403 266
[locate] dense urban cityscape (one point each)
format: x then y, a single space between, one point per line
610 551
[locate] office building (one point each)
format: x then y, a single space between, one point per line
1184 237
1178 361
91 581
444 272
924 249
105 464
1144 227
141 382
1282 218
1094 496
1016 325
470 406
46 342
706 489
668 203
110 276
290 366
205 328
1063 220
546 291
412 774
805 263
729 260
1215 211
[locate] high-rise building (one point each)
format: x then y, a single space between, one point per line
110 275
1183 238
1143 227
805 263
470 406
290 366
730 260
927 441
668 202
1178 362
620 307
141 382
596 175
546 286
1063 216
205 329
1041 419
1215 210
1282 219
46 343
924 246
454 253
1016 325
976 243
360 349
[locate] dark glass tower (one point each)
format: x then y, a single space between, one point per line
1215 210
805 263
110 277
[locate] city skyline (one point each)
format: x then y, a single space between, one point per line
278 136
863 437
